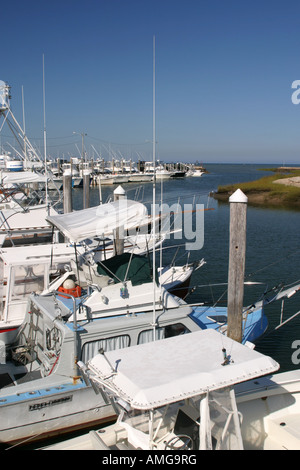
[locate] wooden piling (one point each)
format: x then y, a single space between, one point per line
67 192
86 190
236 269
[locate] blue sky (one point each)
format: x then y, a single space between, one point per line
224 71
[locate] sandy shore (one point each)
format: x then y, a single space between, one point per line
292 181
267 197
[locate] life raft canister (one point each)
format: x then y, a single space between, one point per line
69 287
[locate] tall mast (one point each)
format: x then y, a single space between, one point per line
24 127
45 150
154 196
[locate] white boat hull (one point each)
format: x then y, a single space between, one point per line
271 412
50 413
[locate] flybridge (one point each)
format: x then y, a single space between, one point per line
4 96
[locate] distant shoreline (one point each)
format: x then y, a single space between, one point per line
281 189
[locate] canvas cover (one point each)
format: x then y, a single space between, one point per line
127 267
166 371
100 220
22 177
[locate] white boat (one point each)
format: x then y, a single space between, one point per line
175 394
20 188
28 158
162 174
197 173
102 220
106 180
114 179
26 225
72 168
140 177
176 279
23 271
14 165
42 392
41 388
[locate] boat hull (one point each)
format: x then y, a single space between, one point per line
254 324
51 411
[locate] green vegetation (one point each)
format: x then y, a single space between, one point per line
265 191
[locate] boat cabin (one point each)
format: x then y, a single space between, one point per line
176 394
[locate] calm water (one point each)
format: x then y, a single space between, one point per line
273 248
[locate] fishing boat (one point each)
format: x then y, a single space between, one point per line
178 174
42 392
140 177
23 271
26 225
28 186
174 395
114 178
64 325
197 173
32 269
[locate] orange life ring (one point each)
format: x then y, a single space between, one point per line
76 291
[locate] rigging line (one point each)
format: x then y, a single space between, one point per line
272 264
187 196
41 138
118 143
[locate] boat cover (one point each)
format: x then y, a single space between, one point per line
127 267
100 220
19 219
157 373
22 177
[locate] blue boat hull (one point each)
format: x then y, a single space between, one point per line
254 324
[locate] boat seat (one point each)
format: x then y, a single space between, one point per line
185 426
92 277
138 439
87 274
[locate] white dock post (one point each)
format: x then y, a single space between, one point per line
119 194
236 269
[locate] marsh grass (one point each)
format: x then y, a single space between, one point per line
267 189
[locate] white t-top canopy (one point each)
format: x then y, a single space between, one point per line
22 177
18 219
161 372
100 220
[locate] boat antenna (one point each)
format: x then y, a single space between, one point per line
45 150
154 195
24 127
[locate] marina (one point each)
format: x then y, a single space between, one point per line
149 258
213 286
108 279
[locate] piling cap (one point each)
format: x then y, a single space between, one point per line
119 191
238 196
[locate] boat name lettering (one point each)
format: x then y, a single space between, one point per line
46 404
